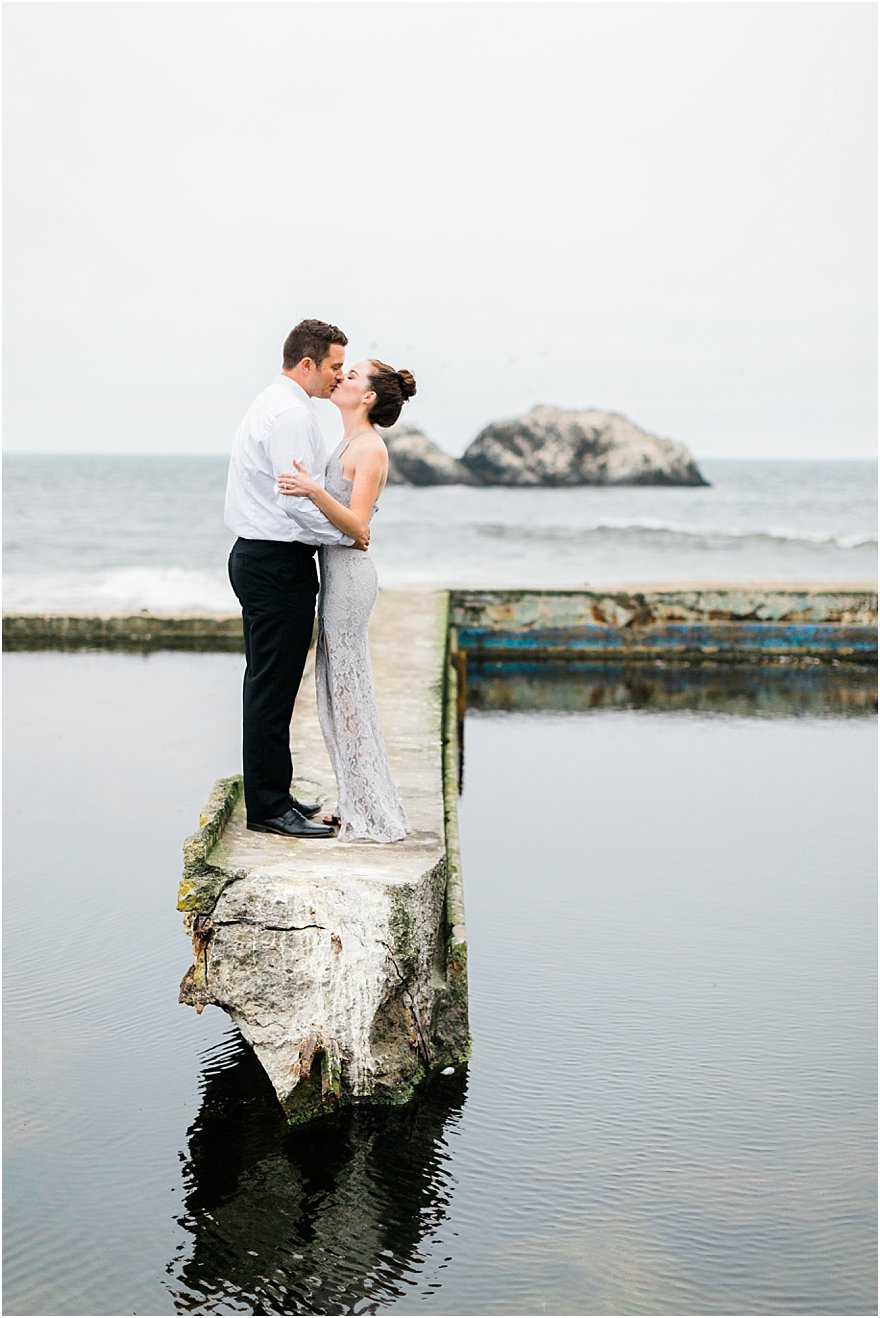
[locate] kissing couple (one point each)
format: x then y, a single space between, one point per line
284 501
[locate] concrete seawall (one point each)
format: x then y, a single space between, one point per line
139 632
738 622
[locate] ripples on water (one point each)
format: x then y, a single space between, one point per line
337 1220
671 1105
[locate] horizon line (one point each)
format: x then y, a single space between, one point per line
153 452
224 453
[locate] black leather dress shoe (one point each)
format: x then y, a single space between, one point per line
291 824
307 808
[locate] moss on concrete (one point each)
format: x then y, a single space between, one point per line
304 1102
202 883
450 1026
319 1088
401 928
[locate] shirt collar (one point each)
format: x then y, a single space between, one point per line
298 390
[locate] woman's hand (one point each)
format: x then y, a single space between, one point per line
297 482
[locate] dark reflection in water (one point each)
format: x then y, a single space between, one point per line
328 1219
835 690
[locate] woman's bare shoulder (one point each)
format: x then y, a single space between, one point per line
370 449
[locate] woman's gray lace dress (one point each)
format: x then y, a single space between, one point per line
369 806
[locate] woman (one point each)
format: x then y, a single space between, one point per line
371 394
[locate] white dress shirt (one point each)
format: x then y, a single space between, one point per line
281 424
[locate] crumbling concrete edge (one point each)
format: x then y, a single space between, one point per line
202 884
452 1026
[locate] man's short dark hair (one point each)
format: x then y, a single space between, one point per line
311 338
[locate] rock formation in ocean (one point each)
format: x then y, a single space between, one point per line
547 446
413 459
550 446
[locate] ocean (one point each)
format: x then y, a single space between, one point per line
109 532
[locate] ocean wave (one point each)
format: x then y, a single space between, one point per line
472 554
648 530
159 589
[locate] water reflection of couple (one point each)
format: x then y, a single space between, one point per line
284 498
339 1218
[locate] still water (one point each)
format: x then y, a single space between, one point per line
671 1105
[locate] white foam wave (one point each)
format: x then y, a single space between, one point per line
784 533
158 589
635 527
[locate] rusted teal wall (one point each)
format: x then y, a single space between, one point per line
824 621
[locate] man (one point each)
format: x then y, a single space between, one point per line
272 567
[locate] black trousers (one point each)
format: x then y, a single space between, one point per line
276 583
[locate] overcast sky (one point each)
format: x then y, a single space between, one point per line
666 210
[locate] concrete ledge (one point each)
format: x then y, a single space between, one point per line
452 1018
343 963
141 632
202 882
738 621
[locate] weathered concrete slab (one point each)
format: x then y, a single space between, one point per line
343 963
735 620
142 632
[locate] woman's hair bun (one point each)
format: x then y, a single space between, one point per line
392 389
407 383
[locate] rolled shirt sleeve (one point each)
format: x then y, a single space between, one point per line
292 437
